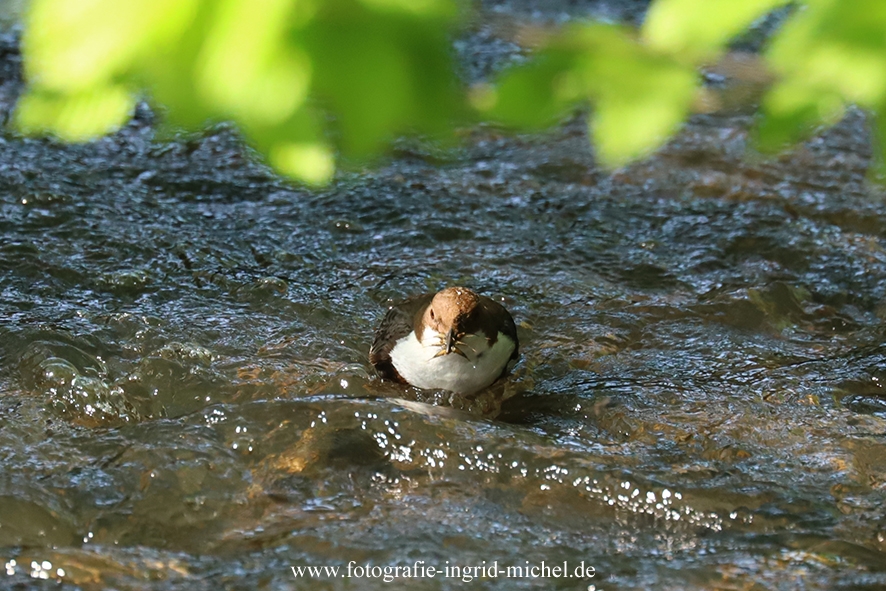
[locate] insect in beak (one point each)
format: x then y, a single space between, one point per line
450 345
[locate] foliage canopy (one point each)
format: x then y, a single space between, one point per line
275 67
307 80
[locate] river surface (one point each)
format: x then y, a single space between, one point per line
186 401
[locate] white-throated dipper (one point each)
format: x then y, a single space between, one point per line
453 340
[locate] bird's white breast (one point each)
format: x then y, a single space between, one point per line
417 364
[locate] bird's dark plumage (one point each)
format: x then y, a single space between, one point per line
397 323
472 313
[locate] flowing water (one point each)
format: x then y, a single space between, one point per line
186 402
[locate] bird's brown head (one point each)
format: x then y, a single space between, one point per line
450 315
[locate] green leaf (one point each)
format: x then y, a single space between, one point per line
642 97
74 117
698 30
793 111
835 46
312 163
296 147
535 95
382 73
639 97
293 74
633 118
436 9
74 45
245 69
830 54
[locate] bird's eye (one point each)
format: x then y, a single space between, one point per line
432 314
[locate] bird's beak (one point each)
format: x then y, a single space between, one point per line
450 341
450 345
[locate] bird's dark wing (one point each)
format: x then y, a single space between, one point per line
506 326
509 329
503 320
397 323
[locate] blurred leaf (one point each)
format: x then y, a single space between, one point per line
170 75
380 80
535 95
697 30
314 163
75 117
837 46
830 54
246 69
438 9
72 45
309 79
792 112
296 147
640 97
379 68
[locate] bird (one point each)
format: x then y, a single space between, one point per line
454 340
